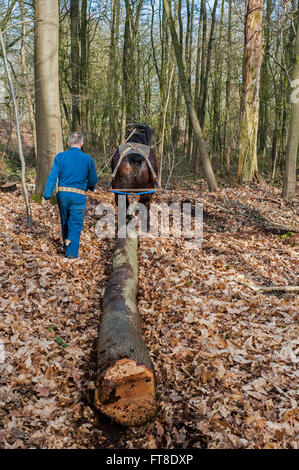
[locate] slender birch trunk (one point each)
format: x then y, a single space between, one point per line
19 136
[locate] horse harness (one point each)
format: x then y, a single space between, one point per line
127 149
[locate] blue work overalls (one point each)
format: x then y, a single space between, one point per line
74 169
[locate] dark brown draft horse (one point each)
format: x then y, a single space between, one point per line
135 165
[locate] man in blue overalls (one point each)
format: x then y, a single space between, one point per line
76 174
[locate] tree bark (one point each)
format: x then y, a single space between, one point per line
47 115
83 66
125 387
165 87
265 91
75 64
203 12
228 88
112 74
179 97
289 186
204 90
188 61
216 124
196 87
129 95
211 180
25 76
252 62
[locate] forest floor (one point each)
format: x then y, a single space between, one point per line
225 355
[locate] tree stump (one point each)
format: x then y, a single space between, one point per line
125 386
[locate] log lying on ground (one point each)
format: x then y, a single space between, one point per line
276 289
8 188
125 387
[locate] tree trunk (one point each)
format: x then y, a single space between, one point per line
203 12
75 64
289 186
129 94
112 74
47 115
252 61
176 134
196 88
125 387
83 66
265 92
165 87
211 180
188 60
228 83
18 130
204 90
215 119
25 77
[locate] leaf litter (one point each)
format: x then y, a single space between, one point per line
225 356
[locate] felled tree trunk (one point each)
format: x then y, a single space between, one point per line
125 387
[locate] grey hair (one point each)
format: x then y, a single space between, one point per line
76 138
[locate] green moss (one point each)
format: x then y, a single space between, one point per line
37 198
286 235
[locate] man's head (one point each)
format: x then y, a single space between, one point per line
75 139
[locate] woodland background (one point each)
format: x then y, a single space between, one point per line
117 66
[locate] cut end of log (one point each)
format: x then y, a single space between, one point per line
127 393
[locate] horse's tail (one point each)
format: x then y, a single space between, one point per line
135 159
